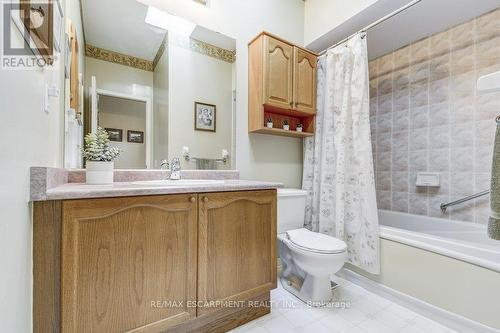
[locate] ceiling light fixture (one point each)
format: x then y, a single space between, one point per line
202 2
172 23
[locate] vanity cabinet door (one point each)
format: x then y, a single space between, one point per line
278 68
128 263
304 81
236 246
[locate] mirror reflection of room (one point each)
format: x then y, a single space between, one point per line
160 86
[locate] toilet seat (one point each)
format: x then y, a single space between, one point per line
315 242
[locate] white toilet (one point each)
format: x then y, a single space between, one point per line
308 258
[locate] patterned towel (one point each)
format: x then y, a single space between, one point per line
494 221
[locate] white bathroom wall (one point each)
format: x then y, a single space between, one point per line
29 137
321 16
197 77
115 77
260 157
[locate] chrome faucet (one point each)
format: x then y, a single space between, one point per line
175 169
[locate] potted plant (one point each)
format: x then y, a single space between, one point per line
299 127
286 125
99 157
269 123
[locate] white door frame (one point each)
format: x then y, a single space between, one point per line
149 120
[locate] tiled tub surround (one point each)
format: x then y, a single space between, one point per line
59 184
427 116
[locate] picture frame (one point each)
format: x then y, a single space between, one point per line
135 136
115 134
39 35
205 117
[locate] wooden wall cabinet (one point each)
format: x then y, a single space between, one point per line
282 85
110 265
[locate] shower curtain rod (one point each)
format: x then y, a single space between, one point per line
374 24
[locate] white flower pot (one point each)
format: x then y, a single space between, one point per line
99 173
269 125
299 129
286 127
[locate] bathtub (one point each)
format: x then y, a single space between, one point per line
446 270
464 241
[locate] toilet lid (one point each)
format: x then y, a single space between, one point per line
316 242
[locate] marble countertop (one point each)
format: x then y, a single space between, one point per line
122 189
65 184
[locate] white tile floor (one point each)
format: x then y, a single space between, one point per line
368 313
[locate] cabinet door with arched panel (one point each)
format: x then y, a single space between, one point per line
278 73
304 80
236 247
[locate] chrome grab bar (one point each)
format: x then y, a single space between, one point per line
444 206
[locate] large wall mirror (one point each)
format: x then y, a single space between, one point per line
161 86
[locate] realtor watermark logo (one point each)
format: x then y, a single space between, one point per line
27 35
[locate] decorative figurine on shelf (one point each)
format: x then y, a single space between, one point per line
299 127
286 125
269 122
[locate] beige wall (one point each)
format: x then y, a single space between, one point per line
427 116
125 115
259 157
194 77
321 16
462 288
117 78
30 137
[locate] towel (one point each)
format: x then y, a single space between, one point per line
494 220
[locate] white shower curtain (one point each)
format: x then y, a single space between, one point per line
338 160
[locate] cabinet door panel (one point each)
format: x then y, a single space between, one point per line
278 67
124 259
304 81
236 246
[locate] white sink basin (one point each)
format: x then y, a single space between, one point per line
180 182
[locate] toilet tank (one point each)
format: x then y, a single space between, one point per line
291 209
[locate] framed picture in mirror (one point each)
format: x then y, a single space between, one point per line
135 136
204 117
115 134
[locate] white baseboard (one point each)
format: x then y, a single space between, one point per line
444 317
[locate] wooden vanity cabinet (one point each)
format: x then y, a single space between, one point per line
143 264
282 85
236 246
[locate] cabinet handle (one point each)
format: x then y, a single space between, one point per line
205 199
192 199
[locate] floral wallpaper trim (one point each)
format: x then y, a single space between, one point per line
206 49
118 58
160 52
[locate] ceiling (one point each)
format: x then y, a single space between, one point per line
118 25
422 20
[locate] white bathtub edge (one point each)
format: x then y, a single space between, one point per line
444 317
390 233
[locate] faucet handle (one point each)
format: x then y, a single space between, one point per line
175 169
164 165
